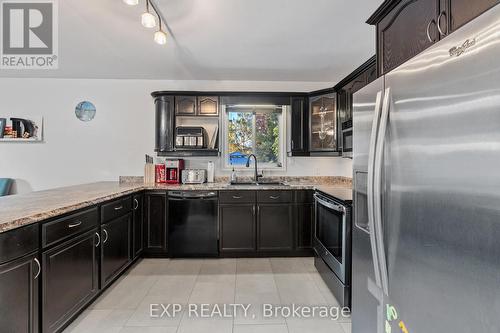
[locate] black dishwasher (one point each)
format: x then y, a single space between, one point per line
192 224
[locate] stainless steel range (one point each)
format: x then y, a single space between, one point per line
332 244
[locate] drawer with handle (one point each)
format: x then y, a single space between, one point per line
64 227
116 208
236 196
274 196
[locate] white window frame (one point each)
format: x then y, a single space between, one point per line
225 165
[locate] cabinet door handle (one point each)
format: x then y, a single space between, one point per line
136 204
236 197
443 13
39 268
105 234
118 208
433 21
74 225
274 197
98 239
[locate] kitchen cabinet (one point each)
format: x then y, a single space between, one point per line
69 279
208 105
237 221
164 123
299 127
19 294
407 27
185 105
156 224
406 31
115 247
346 88
237 227
456 13
274 221
323 123
304 219
274 227
137 225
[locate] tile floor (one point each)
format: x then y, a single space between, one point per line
125 307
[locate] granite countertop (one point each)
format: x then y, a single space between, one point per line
342 193
24 209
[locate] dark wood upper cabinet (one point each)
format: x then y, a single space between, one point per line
359 78
458 12
299 127
137 225
164 124
19 295
185 105
115 247
323 123
70 280
407 27
208 106
406 31
155 238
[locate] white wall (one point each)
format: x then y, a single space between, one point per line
114 143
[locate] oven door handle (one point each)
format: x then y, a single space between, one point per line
328 204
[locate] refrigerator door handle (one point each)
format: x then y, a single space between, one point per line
370 190
377 190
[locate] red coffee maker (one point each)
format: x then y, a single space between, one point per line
173 171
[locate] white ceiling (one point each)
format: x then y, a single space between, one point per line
251 40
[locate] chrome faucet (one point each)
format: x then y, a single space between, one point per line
257 176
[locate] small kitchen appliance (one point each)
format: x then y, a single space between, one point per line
194 176
173 170
347 139
190 137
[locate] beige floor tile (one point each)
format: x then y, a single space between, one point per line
208 325
99 321
175 288
260 329
142 315
347 327
255 283
184 266
255 314
147 267
149 330
212 292
253 266
302 325
288 265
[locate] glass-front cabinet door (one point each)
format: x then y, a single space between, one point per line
323 122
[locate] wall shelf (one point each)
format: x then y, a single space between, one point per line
190 153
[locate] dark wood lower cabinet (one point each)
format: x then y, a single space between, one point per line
137 225
274 227
304 217
115 247
155 238
237 228
70 280
19 295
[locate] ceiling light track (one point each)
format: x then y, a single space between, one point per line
148 20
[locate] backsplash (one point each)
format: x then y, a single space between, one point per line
310 180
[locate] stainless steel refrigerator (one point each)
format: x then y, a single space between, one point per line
426 157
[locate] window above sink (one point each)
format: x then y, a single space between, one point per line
254 129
